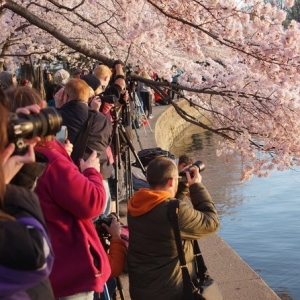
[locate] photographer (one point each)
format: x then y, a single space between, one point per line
112 82
76 116
153 265
70 198
109 228
26 255
114 86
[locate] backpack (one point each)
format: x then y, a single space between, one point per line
147 155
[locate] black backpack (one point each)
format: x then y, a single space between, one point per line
147 155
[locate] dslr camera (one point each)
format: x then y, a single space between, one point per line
22 126
111 99
199 164
102 232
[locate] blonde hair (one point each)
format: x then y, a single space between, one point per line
102 71
145 75
77 89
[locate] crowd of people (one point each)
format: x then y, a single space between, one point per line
52 195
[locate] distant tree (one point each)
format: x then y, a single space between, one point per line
293 13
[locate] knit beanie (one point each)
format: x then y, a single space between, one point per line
61 77
77 71
91 80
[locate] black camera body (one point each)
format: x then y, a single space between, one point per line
23 126
199 164
105 220
111 99
102 232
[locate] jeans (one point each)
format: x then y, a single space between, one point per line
139 183
145 96
111 286
79 296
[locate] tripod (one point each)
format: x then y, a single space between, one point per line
122 146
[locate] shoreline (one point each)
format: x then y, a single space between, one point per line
236 279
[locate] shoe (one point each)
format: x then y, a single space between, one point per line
150 117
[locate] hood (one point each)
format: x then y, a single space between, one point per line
6 80
145 200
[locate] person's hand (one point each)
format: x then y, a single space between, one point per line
115 227
125 96
196 176
60 98
92 162
117 62
12 164
68 147
95 103
34 108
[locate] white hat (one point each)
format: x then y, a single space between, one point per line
61 77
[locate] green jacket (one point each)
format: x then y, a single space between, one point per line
153 265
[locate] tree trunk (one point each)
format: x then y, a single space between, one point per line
26 72
40 80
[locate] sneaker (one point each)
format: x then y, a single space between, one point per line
150 117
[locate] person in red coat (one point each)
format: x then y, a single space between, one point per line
70 199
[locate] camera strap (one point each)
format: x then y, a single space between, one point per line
173 210
82 138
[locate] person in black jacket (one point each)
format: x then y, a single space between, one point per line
26 256
75 113
153 265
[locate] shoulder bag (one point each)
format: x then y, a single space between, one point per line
204 287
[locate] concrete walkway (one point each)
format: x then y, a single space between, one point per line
236 279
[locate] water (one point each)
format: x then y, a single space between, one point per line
260 219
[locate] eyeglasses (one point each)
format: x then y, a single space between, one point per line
178 177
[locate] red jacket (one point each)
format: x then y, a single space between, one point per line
70 200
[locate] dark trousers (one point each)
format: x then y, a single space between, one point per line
145 96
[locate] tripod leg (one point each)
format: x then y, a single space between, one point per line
143 114
137 135
123 134
127 165
116 165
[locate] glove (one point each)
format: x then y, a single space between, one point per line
118 62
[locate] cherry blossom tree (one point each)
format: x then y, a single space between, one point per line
240 65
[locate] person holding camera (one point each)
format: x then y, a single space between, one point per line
153 265
88 129
70 199
109 231
26 255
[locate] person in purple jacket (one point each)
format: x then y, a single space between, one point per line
26 255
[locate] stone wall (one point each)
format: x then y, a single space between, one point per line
170 125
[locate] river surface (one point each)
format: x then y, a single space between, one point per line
260 218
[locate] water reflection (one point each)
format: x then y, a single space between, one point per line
259 218
220 177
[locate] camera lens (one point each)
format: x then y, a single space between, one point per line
199 164
47 122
